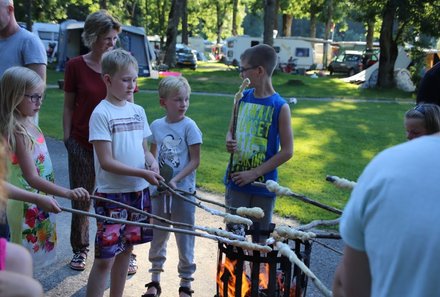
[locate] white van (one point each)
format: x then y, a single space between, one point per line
48 34
301 51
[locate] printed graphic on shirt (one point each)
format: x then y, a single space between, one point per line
253 124
168 156
126 124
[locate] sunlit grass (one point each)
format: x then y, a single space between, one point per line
331 138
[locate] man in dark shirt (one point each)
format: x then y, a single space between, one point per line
429 89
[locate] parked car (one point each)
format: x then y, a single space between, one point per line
349 62
352 62
185 57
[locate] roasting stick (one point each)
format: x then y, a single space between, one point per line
285 250
228 218
242 244
207 200
273 186
255 212
341 182
214 231
246 82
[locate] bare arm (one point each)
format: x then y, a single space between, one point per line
104 152
40 69
30 173
352 277
194 161
69 105
150 159
286 151
47 203
13 284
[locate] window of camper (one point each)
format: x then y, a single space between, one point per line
302 52
230 44
45 35
277 49
254 42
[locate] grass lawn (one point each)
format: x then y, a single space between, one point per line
213 77
331 138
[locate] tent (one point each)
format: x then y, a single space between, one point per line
132 39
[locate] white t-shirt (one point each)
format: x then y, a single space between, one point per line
394 216
125 127
173 141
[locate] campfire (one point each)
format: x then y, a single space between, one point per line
242 273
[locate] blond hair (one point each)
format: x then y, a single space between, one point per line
3 195
116 60
97 24
170 85
13 86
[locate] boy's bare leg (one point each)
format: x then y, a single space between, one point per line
98 276
119 273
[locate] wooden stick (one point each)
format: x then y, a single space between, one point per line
207 200
317 223
181 224
287 252
239 243
304 199
228 217
246 82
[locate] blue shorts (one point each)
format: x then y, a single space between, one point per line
113 238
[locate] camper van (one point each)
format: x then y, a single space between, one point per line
288 49
132 39
48 34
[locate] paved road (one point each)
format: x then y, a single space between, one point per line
60 280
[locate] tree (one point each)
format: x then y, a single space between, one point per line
173 23
269 16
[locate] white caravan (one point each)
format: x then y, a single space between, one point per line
286 48
48 34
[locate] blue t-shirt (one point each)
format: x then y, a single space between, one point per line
257 137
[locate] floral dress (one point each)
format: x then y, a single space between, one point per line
30 226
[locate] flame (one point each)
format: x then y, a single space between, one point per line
264 276
229 266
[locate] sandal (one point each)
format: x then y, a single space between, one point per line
155 285
78 261
132 265
186 290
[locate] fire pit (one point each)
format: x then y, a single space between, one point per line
241 273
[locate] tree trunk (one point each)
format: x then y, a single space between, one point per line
173 22
313 21
269 16
388 47
219 15
103 4
234 17
185 22
370 33
328 27
29 15
287 24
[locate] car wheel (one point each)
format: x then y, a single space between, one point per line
351 72
330 70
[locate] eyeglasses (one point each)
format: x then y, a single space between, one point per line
34 98
242 69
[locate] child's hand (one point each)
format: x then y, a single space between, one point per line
231 145
243 178
48 204
154 166
79 194
172 184
153 177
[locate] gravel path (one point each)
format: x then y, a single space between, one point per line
60 280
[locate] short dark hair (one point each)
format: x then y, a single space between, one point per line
261 55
